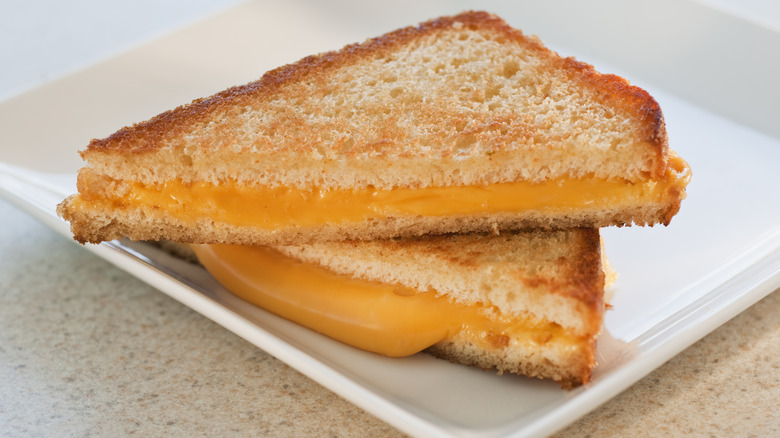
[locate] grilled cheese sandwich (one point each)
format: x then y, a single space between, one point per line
528 302
460 124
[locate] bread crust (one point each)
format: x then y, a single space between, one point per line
570 367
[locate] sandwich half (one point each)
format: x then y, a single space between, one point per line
528 302
459 124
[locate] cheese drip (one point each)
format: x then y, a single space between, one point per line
386 319
274 207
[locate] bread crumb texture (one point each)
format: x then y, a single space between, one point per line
457 100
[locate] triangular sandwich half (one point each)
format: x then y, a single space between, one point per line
459 124
527 302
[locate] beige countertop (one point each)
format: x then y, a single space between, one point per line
88 350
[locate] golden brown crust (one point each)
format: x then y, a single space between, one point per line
570 367
618 91
585 271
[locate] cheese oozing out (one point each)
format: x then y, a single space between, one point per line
382 318
274 207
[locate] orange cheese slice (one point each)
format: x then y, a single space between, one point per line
274 207
386 319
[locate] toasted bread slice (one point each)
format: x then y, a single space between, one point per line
528 302
460 124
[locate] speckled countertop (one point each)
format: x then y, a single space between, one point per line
88 350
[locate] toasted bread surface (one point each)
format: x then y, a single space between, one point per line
569 365
458 100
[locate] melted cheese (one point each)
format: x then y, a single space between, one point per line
381 318
274 207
